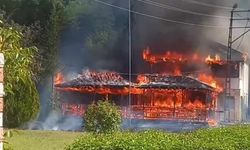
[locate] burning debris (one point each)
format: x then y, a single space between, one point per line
210 80
214 60
154 96
173 98
111 81
99 79
172 82
97 82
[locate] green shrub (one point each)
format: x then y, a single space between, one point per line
229 138
21 102
103 117
7 146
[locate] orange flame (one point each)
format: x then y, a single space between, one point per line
142 79
58 78
212 122
208 79
102 90
214 60
73 109
175 99
168 102
171 104
171 57
177 72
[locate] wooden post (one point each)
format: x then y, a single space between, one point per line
1 100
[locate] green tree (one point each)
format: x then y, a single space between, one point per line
49 45
104 29
21 99
103 117
42 21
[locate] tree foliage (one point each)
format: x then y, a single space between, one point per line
42 21
21 100
102 30
103 117
38 23
49 45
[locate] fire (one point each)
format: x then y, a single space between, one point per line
174 57
212 122
102 90
142 79
214 60
177 72
197 104
99 83
171 104
195 57
175 99
170 57
157 96
58 78
209 79
73 109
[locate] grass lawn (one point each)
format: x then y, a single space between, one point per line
226 138
41 140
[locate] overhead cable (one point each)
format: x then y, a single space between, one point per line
160 18
165 6
210 5
243 35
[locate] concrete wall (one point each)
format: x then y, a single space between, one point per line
248 114
244 86
238 106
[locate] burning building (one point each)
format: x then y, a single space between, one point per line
183 87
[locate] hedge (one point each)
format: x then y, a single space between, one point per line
227 138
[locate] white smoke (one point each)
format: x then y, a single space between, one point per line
56 121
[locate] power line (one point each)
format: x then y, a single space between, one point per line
159 18
243 35
210 5
165 6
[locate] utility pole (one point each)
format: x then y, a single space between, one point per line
229 54
231 41
130 61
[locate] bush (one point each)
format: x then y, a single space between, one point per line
229 138
103 117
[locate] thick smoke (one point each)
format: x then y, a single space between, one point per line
159 35
163 36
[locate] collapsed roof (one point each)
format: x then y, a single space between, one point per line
175 82
115 81
96 79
